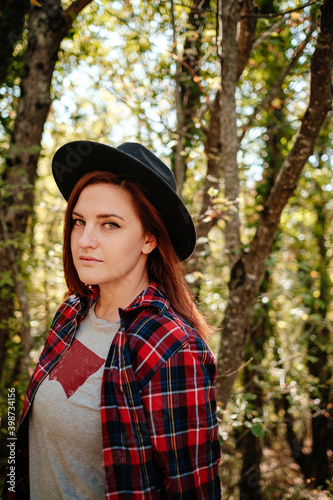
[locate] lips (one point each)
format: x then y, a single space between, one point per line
88 258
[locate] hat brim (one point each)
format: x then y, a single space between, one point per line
75 159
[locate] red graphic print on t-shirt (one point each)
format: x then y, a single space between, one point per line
75 367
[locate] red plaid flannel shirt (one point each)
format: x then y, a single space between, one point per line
160 437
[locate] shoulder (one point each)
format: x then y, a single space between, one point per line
71 311
157 336
151 317
159 329
68 309
63 325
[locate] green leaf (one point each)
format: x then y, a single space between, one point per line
258 430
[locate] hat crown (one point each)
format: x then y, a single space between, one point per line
149 160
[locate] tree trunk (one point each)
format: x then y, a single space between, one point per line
47 26
249 484
320 436
229 139
248 270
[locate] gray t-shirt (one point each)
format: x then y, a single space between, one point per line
65 432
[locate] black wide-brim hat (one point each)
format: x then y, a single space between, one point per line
133 162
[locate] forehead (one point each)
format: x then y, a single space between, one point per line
103 192
103 196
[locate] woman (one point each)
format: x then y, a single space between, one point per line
122 401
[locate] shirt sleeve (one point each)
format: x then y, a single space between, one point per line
181 411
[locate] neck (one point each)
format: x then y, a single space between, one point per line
111 299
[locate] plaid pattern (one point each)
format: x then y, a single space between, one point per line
159 425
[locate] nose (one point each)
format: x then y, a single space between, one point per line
88 238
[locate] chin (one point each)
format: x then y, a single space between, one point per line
88 278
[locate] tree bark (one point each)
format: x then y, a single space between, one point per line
229 140
248 270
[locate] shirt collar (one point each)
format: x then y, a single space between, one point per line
150 297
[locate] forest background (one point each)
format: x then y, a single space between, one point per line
235 96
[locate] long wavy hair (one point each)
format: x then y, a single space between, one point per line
163 265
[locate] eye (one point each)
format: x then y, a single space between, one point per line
110 225
77 222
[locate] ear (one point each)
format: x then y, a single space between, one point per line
149 244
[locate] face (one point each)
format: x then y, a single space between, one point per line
108 243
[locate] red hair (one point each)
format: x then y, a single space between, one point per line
163 265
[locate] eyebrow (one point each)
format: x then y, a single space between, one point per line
99 216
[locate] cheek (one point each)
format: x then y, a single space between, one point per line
130 248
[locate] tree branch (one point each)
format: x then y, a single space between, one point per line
194 76
273 14
267 33
277 85
284 13
75 8
229 373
